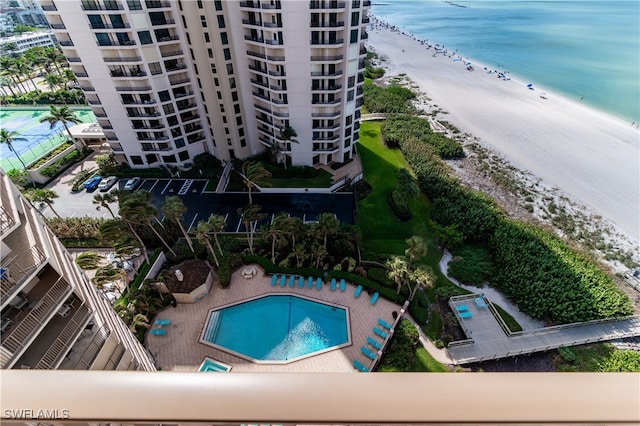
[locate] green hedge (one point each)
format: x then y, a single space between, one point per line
402 212
400 127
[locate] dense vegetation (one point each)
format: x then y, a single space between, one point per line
388 100
472 264
601 357
399 354
402 127
539 272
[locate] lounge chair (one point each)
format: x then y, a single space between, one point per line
319 284
356 293
159 331
283 280
374 298
462 308
384 324
333 284
368 353
373 342
274 280
480 303
358 365
162 322
343 285
310 282
465 314
292 281
300 282
380 333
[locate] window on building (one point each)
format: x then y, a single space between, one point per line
215 79
207 38
351 81
221 107
184 22
224 38
218 4
239 121
155 68
134 4
353 38
199 4
347 142
176 131
169 158
243 143
203 21
230 69
179 142
136 159
227 54
221 21
183 155
210 52
188 38
168 108
164 95
348 121
145 37
236 108
234 96
355 18
350 94
241 132
219 94
355 4
172 120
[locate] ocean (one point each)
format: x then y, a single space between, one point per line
586 50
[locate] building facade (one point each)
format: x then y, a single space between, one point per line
52 316
169 80
18 44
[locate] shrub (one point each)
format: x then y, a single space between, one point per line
83 175
401 351
399 206
224 275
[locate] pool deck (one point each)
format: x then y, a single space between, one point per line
180 350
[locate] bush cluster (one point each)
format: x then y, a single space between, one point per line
57 150
62 96
56 168
390 100
402 127
546 278
401 351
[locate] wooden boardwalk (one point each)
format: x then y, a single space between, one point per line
489 338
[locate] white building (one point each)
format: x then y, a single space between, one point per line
172 79
52 316
26 41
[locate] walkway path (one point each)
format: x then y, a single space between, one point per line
525 321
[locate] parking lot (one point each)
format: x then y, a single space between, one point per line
201 205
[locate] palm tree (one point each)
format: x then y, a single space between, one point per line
139 320
108 274
287 134
43 196
327 224
174 208
423 278
6 81
89 260
8 67
252 173
274 232
217 223
62 115
249 216
53 81
135 209
103 200
293 227
9 137
23 68
398 271
202 235
114 230
417 248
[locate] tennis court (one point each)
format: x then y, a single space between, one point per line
41 138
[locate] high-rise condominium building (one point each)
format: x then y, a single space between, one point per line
169 80
52 317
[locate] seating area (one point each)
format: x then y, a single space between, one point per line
358 365
384 324
480 303
374 298
158 331
380 333
162 322
368 353
466 314
356 294
462 308
290 280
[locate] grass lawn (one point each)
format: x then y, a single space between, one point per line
424 362
323 180
383 234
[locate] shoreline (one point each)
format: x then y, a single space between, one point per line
590 155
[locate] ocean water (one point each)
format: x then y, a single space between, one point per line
587 50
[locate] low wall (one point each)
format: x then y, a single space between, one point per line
37 176
196 294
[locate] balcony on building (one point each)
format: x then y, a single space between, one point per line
258 69
327 58
185 118
54 341
277 24
167 53
252 22
272 111
109 26
326 4
250 4
317 23
333 73
147 112
155 4
325 148
94 5
86 349
259 82
32 308
48 6
327 101
19 266
366 3
112 59
66 43
185 105
159 20
134 89
173 65
155 147
9 217
196 137
119 71
326 87
326 114
268 6
116 43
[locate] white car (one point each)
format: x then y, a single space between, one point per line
132 184
107 183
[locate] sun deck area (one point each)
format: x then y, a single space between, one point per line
179 349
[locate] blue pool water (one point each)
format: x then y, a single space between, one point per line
212 366
277 327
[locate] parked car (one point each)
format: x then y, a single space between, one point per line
92 182
107 183
132 184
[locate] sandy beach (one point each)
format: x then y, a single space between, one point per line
592 157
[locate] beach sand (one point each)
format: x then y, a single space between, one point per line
590 156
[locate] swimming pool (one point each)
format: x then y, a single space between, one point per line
277 328
211 366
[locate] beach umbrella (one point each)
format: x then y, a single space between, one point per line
529 85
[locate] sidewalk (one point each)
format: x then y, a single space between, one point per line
440 355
